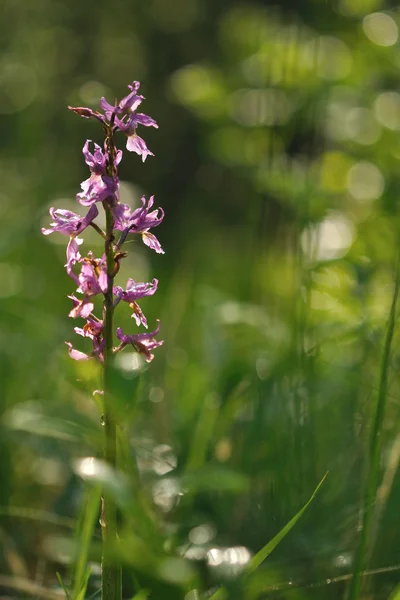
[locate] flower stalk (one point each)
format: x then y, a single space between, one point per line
97 277
110 572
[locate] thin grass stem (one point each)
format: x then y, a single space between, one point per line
375 446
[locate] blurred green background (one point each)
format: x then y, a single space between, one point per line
277 164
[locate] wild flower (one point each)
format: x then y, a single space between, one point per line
96 275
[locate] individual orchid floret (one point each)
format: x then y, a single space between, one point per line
126 105
82 111
93 278
142 342
134 142
98 348
140 221
68 222
73 254
97 161
82 308
98 189
76 354
93 329
134 291
99 186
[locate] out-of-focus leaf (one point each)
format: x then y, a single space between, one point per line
124 381
33 418
256 561
141 595
81 593
395 595
99 473
88 520
61 582
215 478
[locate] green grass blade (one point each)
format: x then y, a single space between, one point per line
60 581
375 446
272 544
84 583
89 518
220 594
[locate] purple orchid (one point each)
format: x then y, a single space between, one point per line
93 278
76 354
142 342
135 143
133 292
82 111
73 254
100 185
82 308
126 105
96 276
140 221
129 122
68 222
93 329
98 348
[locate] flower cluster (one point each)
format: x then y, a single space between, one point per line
95 276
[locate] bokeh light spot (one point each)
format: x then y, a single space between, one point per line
130 363
334 58
365 181
381 29
387 109
164 459
360 125
156 394
330 239
18 87
91 91
201 534
229 560
166 493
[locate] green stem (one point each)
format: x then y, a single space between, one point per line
111 571
98 229
375 446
